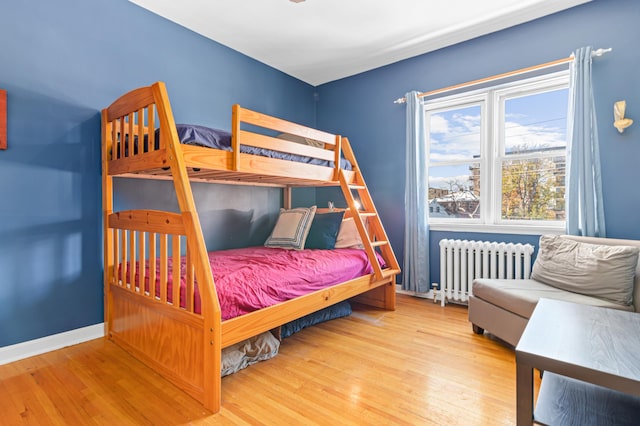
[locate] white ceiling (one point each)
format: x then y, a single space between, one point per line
318 41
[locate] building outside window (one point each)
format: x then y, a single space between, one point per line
497 157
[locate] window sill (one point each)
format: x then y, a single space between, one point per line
498 229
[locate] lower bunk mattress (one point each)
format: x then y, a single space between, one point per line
249 279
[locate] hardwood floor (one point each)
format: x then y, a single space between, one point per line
418 365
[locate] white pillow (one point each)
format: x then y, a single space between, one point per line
292 228
348 236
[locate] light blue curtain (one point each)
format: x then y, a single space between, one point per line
585 210
416 206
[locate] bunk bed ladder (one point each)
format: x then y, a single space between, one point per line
367 219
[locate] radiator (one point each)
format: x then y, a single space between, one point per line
462 261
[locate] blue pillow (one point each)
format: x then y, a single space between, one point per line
324 231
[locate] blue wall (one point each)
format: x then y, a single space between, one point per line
362 107
62 62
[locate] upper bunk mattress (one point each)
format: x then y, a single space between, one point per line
248 279
191 134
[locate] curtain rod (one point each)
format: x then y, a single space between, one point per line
598 52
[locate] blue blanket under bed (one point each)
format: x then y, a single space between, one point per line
341 309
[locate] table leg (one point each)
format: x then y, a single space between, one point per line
524 394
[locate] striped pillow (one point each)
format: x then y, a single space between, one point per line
292 228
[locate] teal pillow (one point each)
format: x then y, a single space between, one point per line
324 231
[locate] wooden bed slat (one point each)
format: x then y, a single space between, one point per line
142 130
151 120
190 282
164 267
133 284
273 123
122 276
152 265
142 270
116 256
266 142
117 131
175 269
293 170
130 136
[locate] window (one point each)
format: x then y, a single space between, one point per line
497 156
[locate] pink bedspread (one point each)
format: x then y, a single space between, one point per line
252 278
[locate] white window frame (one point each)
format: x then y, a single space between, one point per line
491 101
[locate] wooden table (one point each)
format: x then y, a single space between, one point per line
595 345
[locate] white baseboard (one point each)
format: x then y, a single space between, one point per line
50 343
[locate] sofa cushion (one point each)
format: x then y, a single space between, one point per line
521 296
602 271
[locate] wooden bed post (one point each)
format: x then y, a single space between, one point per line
337 158
107 209
286 197
235 134
210 305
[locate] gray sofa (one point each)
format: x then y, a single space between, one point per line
502 307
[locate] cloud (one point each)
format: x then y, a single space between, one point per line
533 136
438 124
454 136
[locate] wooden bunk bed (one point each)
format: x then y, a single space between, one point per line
177 340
